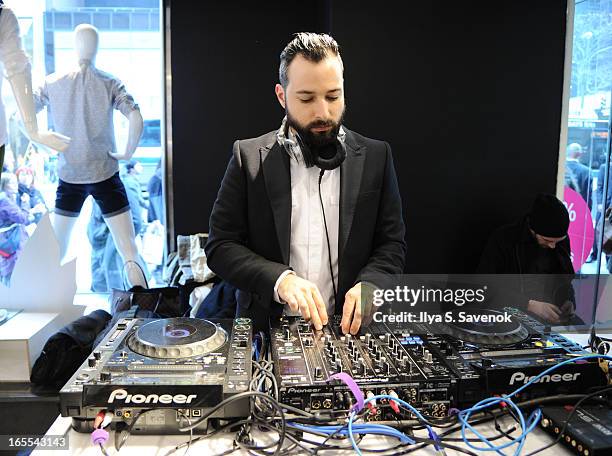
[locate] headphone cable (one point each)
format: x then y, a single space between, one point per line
331 269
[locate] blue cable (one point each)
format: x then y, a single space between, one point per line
534 418
365 428
464 415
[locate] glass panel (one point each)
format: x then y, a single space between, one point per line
589 114
130 49
588 151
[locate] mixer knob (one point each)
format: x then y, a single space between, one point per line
360 366
368 338
91 362
287 334
318 372
347 338
307 342
97 354
428 357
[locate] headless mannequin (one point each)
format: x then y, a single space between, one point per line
120 226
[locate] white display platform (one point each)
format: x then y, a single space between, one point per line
21 341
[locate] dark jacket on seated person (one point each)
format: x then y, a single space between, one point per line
512 249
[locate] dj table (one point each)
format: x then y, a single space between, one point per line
149 381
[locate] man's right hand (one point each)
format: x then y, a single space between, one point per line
303 296
545 310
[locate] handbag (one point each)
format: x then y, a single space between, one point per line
163 301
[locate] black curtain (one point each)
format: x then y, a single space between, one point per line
468 94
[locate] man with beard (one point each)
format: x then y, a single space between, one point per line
309 212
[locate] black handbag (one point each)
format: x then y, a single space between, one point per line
165 302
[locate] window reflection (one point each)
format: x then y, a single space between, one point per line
131 49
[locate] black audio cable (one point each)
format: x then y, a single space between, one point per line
331 269
226 427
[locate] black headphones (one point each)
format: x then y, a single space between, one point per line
327 158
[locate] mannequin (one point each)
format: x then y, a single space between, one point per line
18 72
81 104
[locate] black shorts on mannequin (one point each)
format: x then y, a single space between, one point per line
109 194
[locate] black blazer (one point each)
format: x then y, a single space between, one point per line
250 224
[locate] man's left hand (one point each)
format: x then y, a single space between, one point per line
352 311
357 310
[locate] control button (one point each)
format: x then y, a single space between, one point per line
91 362
105 376
97 354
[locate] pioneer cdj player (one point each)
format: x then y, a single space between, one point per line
432 367
180 367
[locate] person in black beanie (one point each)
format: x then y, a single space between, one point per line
536 249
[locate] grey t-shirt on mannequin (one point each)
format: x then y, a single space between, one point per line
81 105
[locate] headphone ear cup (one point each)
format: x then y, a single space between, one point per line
335 161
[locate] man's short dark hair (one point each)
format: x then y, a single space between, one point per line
312 46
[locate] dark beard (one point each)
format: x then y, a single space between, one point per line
316 141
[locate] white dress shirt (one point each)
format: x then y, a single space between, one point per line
309 255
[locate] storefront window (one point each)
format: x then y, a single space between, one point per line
130 48
587 153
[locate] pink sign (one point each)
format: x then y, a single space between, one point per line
581 231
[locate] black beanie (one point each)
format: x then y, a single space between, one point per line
548 216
